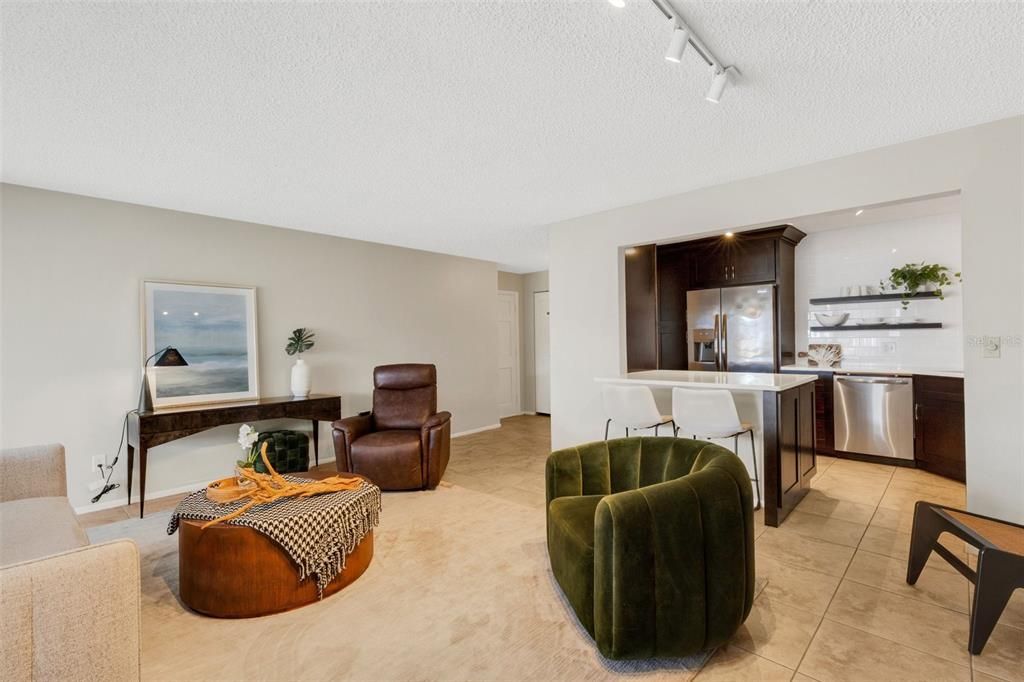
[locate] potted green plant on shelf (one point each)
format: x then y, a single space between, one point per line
299 342
914 277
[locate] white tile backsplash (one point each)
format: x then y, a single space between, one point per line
830 260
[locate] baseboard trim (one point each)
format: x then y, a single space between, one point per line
490 427
151 494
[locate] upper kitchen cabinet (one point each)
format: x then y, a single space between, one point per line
709 265
753 260
731 261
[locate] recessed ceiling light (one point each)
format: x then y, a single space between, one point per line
728 234
680 39
859 211
618 3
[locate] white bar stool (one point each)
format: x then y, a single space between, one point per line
633 407
711 413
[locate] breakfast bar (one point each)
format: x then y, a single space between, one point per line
780 408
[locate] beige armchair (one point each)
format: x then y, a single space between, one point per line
70 610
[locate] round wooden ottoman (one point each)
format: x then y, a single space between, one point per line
229 571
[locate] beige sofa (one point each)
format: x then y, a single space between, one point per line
68 610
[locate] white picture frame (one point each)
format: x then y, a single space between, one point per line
213 326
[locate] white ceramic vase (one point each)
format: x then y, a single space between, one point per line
302 381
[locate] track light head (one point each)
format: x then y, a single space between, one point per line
618 3
718 82
680 39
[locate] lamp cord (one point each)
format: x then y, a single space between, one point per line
107 485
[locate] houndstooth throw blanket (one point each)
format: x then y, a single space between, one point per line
317 532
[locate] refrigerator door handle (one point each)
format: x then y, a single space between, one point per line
725 343
718 346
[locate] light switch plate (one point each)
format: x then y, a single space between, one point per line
991 347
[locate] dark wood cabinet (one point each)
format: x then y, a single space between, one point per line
709 265
790 458
765 256
673 282
939 443
938 424
733 261
824 424
751 261
658 277
641 308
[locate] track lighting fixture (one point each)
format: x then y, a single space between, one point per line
682 36
718 82
680 39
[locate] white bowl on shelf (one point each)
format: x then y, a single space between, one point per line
831 319
871 320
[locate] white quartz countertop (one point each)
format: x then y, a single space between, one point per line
734 381
879 369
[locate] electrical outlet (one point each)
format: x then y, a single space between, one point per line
992 346
96 485
99 462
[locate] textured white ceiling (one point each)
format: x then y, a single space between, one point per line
464 127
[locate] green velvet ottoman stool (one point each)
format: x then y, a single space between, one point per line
652 543
288 451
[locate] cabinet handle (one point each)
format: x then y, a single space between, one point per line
917 411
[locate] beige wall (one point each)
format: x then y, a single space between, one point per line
526 285
71 268
983 162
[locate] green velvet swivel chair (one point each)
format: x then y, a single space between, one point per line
652 543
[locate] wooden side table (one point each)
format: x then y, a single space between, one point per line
1000 560
149 429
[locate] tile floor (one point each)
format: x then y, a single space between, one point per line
835 605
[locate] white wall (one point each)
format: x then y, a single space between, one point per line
983 162
71 268
863 255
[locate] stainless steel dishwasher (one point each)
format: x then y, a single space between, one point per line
874 415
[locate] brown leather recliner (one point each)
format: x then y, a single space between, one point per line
404 443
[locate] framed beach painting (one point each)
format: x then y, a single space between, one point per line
213 327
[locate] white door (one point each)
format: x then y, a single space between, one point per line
508 353
542 350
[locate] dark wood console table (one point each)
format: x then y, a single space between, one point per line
149 429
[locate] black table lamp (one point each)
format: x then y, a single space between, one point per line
169 357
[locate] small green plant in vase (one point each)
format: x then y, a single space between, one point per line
299 342
914 277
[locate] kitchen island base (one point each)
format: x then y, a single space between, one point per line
780 407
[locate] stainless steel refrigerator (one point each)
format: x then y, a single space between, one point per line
732 329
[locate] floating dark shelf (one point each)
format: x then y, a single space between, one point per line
855 327
872 297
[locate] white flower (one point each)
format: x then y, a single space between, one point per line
246 437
